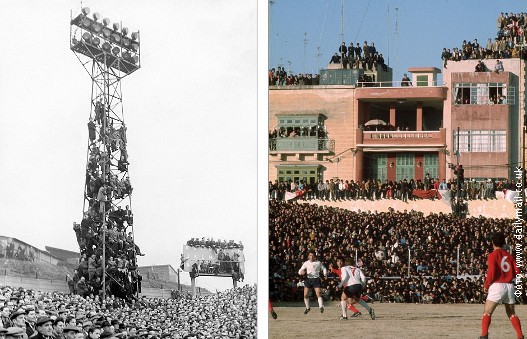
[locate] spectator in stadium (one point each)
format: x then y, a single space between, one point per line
335 59
58 328
405 81
498 67
44 328
480 67
433 241
343 55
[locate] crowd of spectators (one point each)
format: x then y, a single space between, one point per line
318 131
211 243
228 314
354 56
370 189
508 43
420 252
366 57
104 219
279 77
225 258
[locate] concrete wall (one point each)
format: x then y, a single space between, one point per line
337 104
37 254
43 285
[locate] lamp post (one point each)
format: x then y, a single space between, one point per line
108 54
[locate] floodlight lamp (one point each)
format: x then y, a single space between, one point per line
97 27
135 35
135 47
106 21
116 38
106 33
95 41
135 59
124 31
96 16
116 26
126 42
115 51
127 56
86 37
86 22
106 46
86 11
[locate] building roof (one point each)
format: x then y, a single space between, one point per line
62 254
157 266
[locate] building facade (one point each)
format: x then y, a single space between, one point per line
386 130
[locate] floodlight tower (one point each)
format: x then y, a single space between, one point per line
108 54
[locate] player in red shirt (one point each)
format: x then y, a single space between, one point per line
271 309
501 272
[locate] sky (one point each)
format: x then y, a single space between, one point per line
304 34
190 113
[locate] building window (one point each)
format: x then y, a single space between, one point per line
308 174
299 126
404 167
482 94
431 165
481 141
422 80
376 167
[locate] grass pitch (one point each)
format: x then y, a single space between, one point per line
405 321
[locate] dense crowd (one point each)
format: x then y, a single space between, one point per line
227 314
508 43
370 189
279 77
105 221
383 243
354 56
214 244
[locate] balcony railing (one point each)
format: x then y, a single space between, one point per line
401 135
301 144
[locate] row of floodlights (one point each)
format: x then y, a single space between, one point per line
121 39
107 47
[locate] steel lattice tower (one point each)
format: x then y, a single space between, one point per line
108 55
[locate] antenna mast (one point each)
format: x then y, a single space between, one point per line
389 32
396 39
341 21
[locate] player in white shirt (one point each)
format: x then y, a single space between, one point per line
354 280
312 268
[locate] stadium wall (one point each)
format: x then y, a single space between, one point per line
46 285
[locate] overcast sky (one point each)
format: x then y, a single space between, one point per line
190 113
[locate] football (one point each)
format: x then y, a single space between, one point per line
380 255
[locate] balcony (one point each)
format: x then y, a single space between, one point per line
406 139
301 145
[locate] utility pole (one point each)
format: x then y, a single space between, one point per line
305 45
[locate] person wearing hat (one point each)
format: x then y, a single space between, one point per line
4 316
70 332
85 326
107 335
44 327
15 333
31 318
58 328
18 319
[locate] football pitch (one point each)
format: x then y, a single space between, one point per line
405 321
